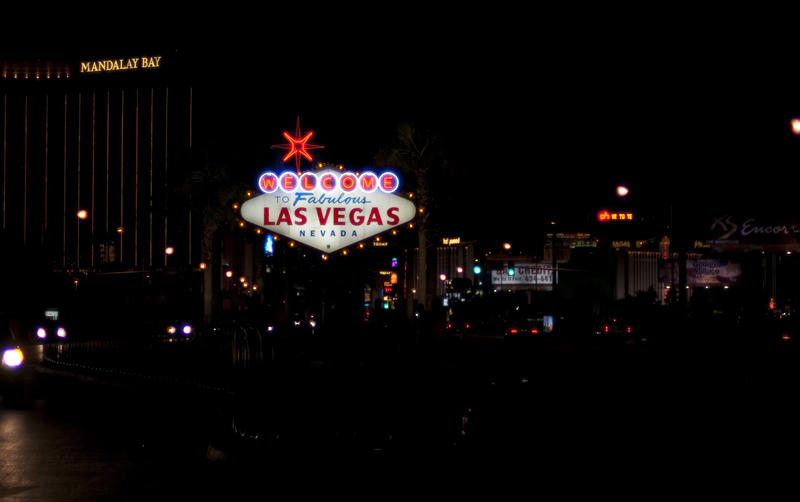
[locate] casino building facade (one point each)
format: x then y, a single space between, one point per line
95 156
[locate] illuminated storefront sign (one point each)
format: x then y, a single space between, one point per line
524 274
326 209
451 241
122 64
606 216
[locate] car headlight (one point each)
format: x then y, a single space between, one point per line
41 333
171 330
61 332
187 329
12 358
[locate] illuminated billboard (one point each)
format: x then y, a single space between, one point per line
328 210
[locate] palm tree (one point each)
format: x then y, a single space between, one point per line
419 156
214 192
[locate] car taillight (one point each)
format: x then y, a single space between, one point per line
61 333
466 325
535 331
605 328
628 329
449 326
41 333
513 331
786 337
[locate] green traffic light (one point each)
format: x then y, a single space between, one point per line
476 269
511 271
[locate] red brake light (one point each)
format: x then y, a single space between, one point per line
628 329
535 331
449 326
513 331
605 328
466 325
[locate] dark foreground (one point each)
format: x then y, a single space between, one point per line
462 414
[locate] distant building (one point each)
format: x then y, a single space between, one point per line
109 138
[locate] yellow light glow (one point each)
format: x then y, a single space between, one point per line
244 284
249 194
421 210
506 246
394 232
291 244
410 225
235 206
202 266
361 246
795 125
345 252
258 231
377 239
228 274
242 279
120 230
83 214
410 195
255 287
170 250
324 257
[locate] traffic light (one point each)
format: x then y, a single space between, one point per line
510 270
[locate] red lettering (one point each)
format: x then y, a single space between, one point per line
368 182
309 182
268 183
327 182
283 217
347 182
323 219
356 217
288 182
266 217
338 216
375 215
393 218
300 216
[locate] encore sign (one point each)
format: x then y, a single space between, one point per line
328 210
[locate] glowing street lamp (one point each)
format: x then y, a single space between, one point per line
442 277
83 214
507 246
622 191
796 126
170 250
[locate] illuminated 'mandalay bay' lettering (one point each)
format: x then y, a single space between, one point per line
108 65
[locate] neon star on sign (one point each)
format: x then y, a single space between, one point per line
298 146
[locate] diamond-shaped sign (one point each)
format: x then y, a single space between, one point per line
328 210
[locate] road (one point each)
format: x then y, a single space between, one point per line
611 415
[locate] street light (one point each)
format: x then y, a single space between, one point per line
796 126
83 214
622 191
507 246
170 250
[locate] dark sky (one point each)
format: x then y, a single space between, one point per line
545 123
546 112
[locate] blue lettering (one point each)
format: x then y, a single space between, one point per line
302 233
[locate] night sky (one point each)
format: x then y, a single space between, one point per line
540 116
